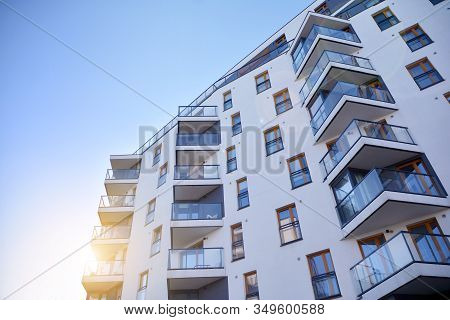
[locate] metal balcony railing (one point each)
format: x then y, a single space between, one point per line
356 130
396 254
122 174
111 232
104 268
197 211
380 180
197 111
321 65
357 8
325 106
198 139
116 201
188 172
203 258
300 52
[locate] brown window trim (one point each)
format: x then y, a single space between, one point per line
364 240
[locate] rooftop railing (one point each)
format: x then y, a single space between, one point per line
396 254
325 106
379 180
355 130
197 111
325 59
302 49
203 258
116 201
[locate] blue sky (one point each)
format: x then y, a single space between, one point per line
61 117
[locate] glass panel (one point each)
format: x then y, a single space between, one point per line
196 258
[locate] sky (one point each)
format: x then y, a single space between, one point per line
76 81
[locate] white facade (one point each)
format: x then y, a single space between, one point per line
384 202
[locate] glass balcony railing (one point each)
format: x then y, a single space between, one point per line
302 49
116 201
104 268
198 139
197 111
196 172
203 258
122 174
357 8
380 180
325 59
111 232
396 254
324 107
352 134
197 211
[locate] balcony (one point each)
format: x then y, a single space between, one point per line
320 33
120 181
345 102
386 197
196 172
357 8
198 139
409 264
103 275
106 240
113 209
365 145
196 211
197 112
125 161
325 63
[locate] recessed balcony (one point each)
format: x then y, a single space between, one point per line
386 197
365 145
409 264
113 209
339 102
121 181
320 33
103 275
328 60
107 240
197 135
195 174
192 221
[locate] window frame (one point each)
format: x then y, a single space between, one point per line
247 293
304 169
422 62
141 286
150 203
166 168
278 137
266 81
378 243
227 101
156 231
428 226
237 243
386 18
229 160
286 101
233 125
157 156
293 223
239 192
323 253
413 29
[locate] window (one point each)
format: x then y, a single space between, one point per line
274 142
385 19
143 279
447 96
370 244
242 189
227 101
150 217
231 159
417 177
162 175
415 37
156 241
282 101
262 82
424 73
323 277
237 242
298 170
288 224
251 286
429 241
323 9
236 123
157 155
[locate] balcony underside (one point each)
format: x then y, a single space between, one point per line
198 119
349 108
114 215
193 279
370 153
125 161
193 193
119 187
390 208
187 232
105 249
417 281
101 283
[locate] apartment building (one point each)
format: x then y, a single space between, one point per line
317 168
